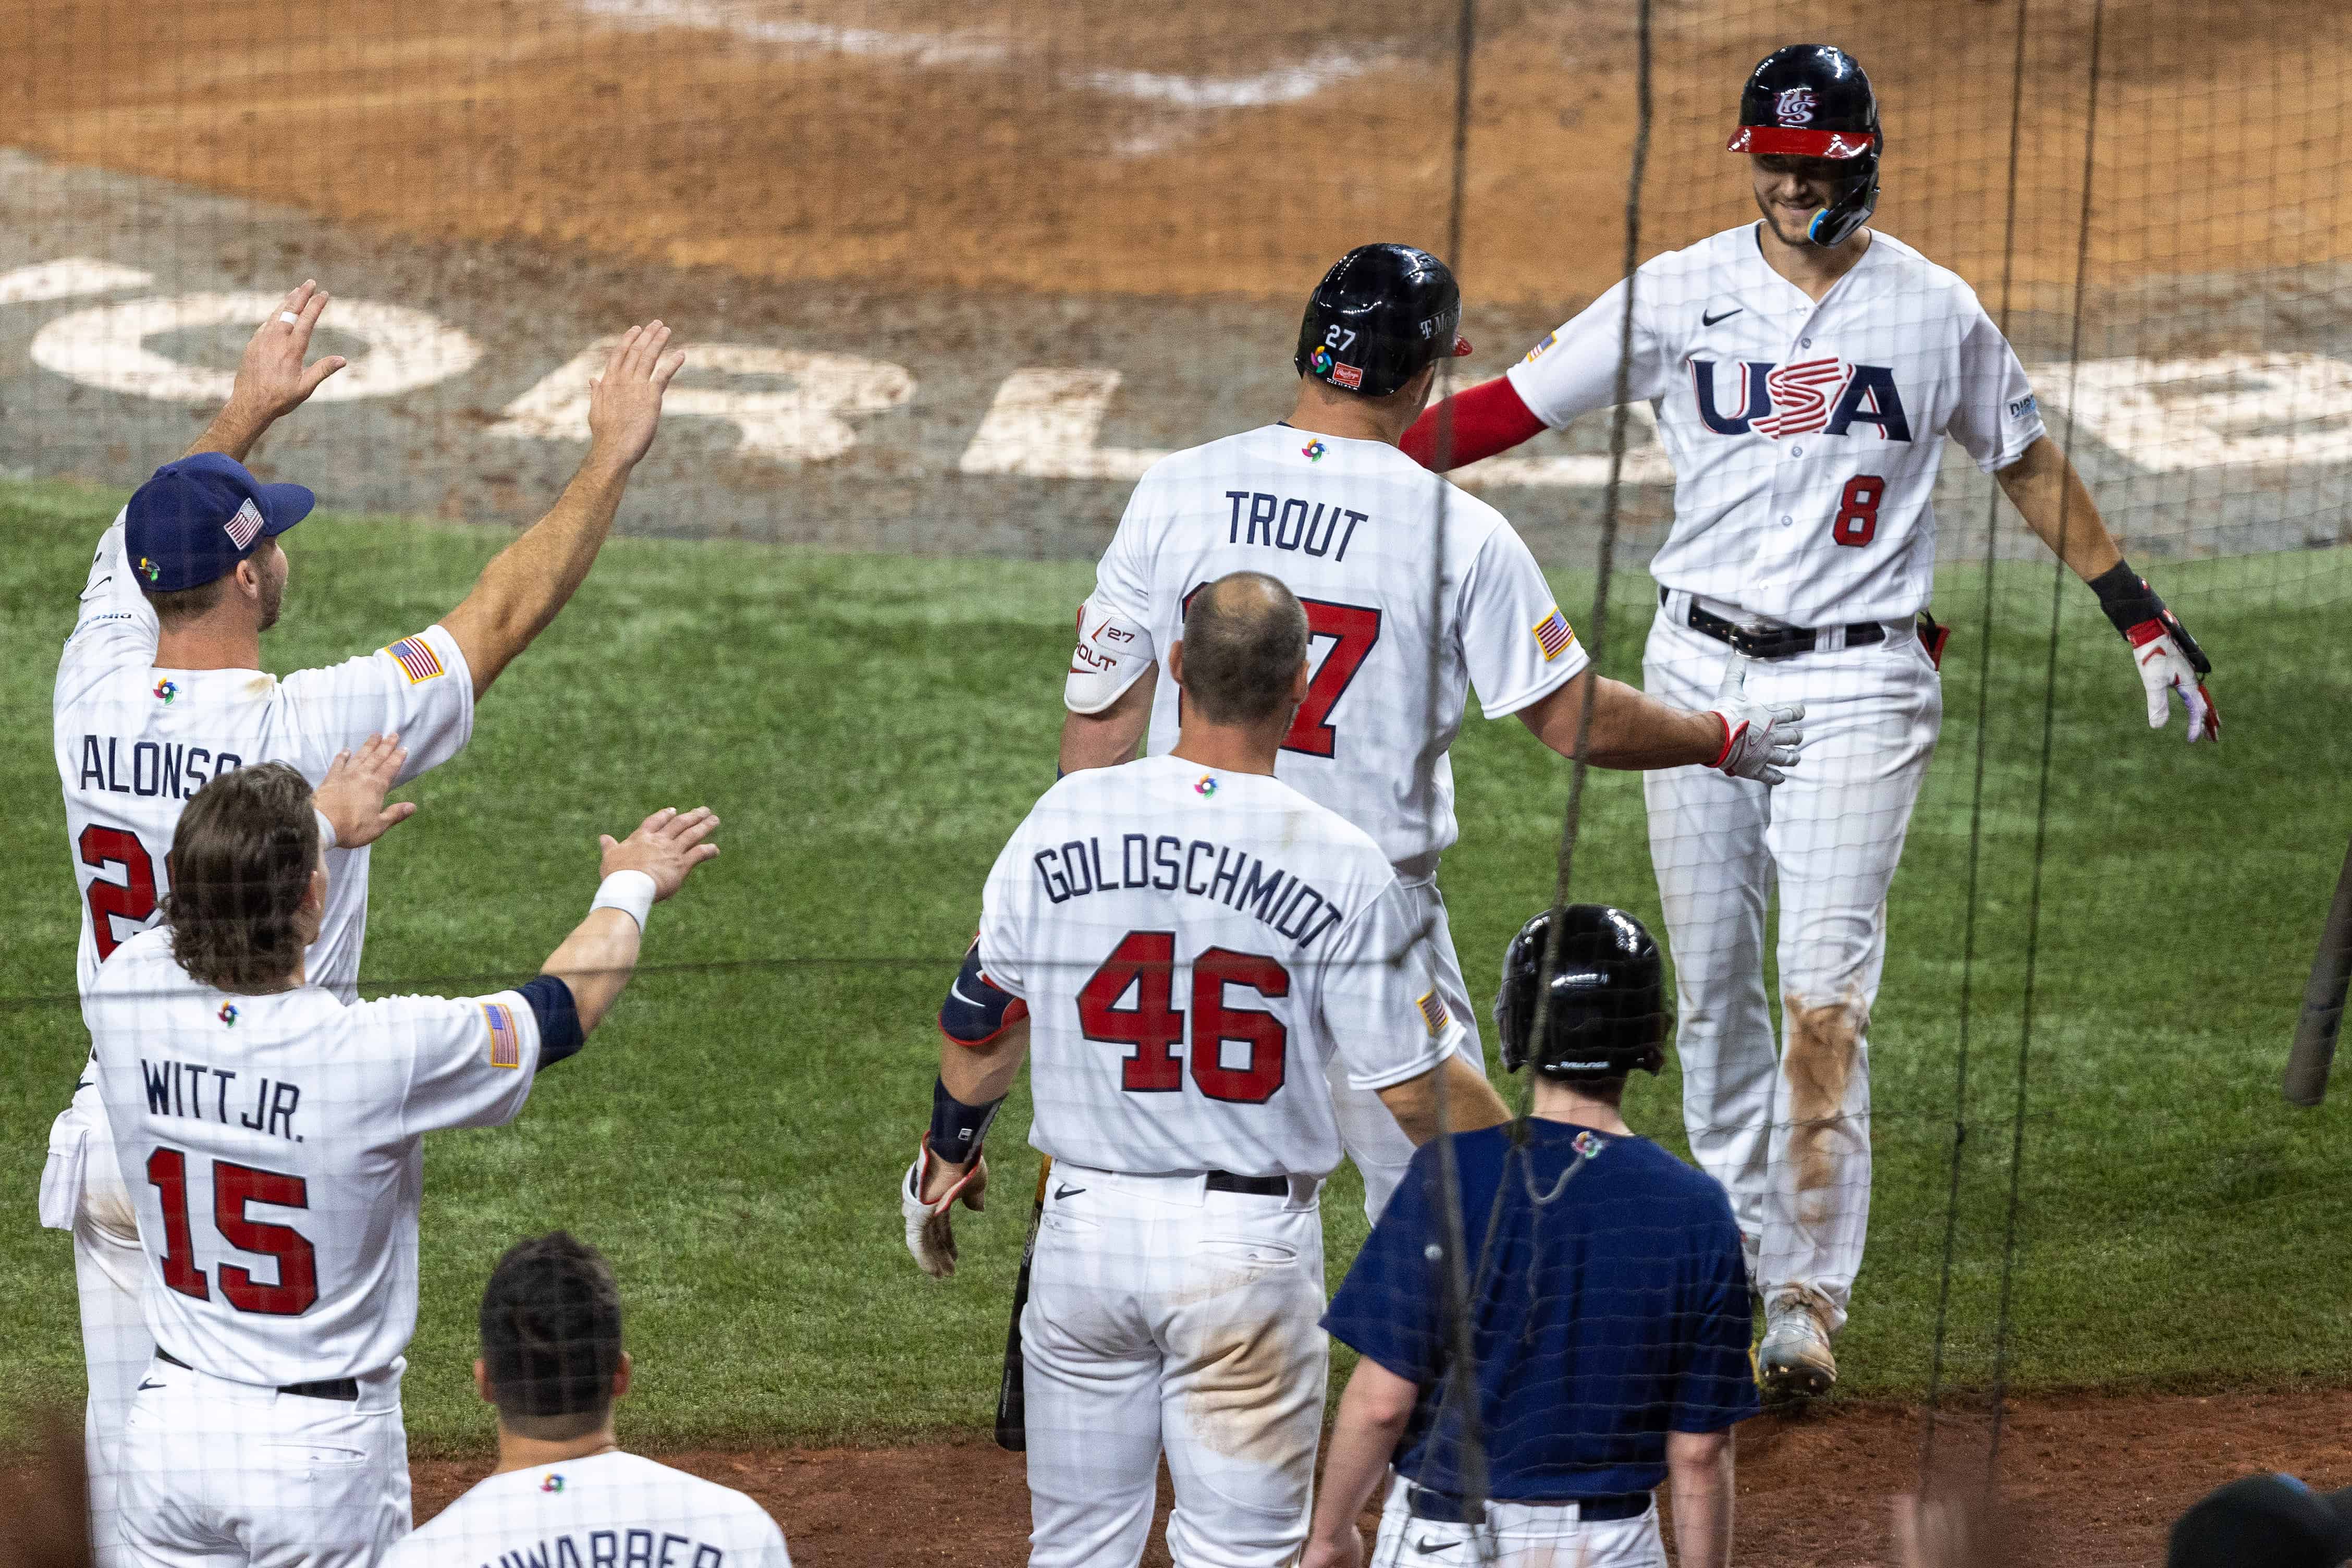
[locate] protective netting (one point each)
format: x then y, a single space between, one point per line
950 287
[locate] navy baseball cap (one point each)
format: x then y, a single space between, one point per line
2265 1522
194 519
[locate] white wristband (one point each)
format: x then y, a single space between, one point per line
632 892
326 829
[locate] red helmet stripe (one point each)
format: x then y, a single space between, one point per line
1766 140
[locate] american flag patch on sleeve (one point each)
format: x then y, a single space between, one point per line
506 1042
1553 635
415 656
1432 1011
242 527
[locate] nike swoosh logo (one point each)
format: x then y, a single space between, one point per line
1427 1545
144 1386
1706 321
957 991
102 582
1066 1192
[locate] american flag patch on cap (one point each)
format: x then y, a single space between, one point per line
505 1043
417 657
245 526
1553 635
1432 1011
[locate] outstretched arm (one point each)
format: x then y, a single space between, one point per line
1632 729
2055 503
522 590
271 379
641 870
1475 422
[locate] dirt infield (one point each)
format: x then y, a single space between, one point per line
2093 1481
1214 148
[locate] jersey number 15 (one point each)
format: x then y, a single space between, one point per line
234 1186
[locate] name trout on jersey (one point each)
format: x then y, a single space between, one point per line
1234 878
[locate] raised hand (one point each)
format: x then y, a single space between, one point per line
665 846
351 795
272 380
625 404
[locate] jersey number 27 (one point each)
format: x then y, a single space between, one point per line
1145 962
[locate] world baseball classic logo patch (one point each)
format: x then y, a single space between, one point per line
505 1041
417 657
1432 1011
1554 634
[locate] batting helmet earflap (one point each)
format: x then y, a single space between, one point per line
1812 100
1608 1014
1380 314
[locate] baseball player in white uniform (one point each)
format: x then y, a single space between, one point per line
270 1136
160 688
1415 591
1806 372
1188 945
563 1494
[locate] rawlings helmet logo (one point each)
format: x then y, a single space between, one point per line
1795 106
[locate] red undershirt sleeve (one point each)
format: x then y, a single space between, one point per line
1487 418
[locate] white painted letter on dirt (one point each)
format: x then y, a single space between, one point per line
1043 426
107 347
806 423
2165 415
67 277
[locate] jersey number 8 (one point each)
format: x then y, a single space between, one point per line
1856 522
1145 962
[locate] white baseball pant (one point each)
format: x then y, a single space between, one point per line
1515 1535
1787 1134
218 1474
1370 1135
81 1192
1165 1317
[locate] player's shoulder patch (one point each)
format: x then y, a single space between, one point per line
506 1040
1553 635
1433 1012
1545 342
416 659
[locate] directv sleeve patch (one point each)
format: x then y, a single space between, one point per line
1554 634
505 1041
416 658
976 1011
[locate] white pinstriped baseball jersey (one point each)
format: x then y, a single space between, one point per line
608 1509
272 1149
1353 529
134 743
1195 947
1804 437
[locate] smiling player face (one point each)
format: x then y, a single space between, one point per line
1791 190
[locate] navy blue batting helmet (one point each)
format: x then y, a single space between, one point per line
1381 313
1812 100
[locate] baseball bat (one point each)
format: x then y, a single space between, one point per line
2314 1051
1012 1404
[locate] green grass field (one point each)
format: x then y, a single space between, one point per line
872 728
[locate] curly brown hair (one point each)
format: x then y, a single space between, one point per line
240 864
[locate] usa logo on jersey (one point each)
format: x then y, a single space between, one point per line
1778 401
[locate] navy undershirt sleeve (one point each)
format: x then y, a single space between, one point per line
1387 1307
559 1020
1717 1386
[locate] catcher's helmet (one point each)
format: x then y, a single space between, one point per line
1812 100
1608 1014
1379 314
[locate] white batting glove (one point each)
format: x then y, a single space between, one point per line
1758 741
2165 666
930 1230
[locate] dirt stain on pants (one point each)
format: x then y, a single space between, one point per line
1824 1041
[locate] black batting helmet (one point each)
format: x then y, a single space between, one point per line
1379 314
1608 1014
1812 100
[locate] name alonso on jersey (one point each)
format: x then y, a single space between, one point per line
164 768
1797 399
1234 878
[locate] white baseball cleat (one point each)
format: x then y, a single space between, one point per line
1794 1361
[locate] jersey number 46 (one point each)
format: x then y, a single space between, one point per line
1145 962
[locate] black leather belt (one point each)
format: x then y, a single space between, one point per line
1440 1509
1256 1186
346 1388
1778 642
